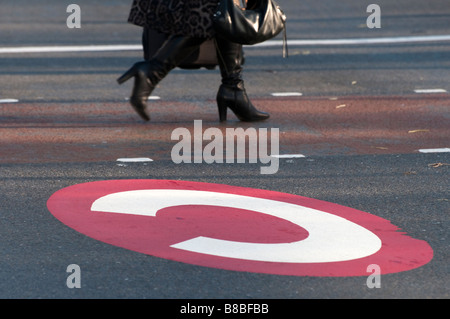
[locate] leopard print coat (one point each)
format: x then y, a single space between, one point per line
181 17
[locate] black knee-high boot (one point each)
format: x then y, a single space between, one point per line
232 93
147 74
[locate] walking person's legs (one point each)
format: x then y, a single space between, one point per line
232 93
147 74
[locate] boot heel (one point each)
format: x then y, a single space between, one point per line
222 111
127 75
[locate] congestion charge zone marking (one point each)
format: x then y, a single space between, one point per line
237 228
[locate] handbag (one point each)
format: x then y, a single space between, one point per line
262 22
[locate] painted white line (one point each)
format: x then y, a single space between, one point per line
135 160
152 97
9 100
289 156
435 150
283 94
71 48
359 41
138 47
427 91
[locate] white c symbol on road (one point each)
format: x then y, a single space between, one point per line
331 238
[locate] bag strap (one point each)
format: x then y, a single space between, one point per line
285 44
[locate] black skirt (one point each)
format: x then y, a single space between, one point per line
205 56
191 18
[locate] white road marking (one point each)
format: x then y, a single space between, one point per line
359 41
435 150
138 47
289 156
9 100
135 160
150 98
71 48
330 238
426 91
282 94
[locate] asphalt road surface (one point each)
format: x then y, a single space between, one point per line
363 118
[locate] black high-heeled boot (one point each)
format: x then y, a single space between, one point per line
147 74
232 92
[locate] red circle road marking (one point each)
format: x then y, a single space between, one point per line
237 228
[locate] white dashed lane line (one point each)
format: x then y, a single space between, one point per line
4 101
285 94
430 91
289 156
135 160
435 150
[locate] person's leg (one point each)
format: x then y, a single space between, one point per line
151 42
232 93
147 74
